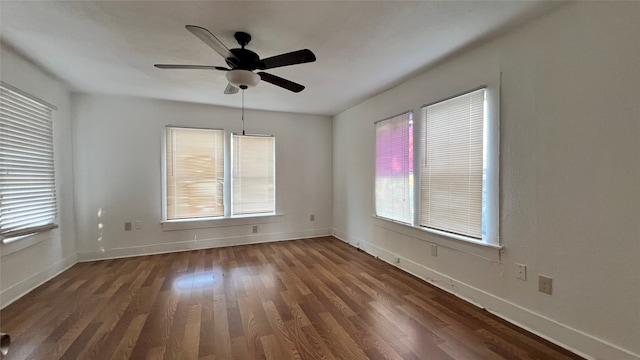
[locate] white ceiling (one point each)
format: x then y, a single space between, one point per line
362 47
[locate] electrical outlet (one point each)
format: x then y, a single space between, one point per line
434 250
255 229
127 226
545 284
312 217
138 224
522 272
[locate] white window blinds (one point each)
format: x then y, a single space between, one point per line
194 173
394 168
253 169
452 165
27 178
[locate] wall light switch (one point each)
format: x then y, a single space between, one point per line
522 272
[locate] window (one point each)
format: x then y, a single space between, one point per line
253 180
194 173
456 173
452 165
197 185
27 177
394 168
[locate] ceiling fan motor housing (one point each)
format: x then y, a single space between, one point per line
244 59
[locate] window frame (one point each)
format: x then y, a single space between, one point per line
231 176
164 173
411 172
20 235
423 145
228 219
491 145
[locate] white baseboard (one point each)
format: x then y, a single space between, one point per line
574 340
14 292
198 244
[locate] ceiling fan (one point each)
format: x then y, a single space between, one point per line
242 62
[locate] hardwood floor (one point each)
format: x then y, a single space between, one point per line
303 299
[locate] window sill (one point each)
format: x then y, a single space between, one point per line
22 242
189 224
441 238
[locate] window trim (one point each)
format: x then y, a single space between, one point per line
204 223
486 186
163 200
410 114
27 95
228 219
491 145
469 246
491 241
13 243
25 241
230 158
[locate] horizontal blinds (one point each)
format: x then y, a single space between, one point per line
194 173
27 177
452 165
253 169
394 168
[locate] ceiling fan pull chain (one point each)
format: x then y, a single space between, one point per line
243 112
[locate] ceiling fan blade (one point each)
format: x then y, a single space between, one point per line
230 89
292 58
278 81
208 38
196 67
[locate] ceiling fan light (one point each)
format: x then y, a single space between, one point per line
243 78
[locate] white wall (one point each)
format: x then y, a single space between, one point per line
22 269
569 172
117 143
570 164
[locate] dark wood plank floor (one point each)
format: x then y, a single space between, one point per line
304 299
